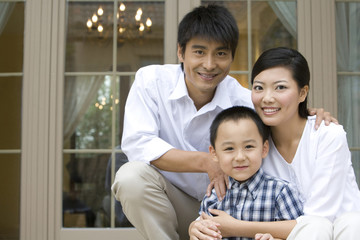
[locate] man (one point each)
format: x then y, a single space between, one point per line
168 113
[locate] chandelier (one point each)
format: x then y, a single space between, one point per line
128 26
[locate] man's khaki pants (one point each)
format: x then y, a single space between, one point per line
157 209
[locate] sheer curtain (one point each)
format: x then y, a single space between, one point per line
348 61
5 12
78 93
286 12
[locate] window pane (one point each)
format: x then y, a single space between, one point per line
88 112
11 36
274 24
10 192
10 105
123 84
85 197
348 67
137 48
89 49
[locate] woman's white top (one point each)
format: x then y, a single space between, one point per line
321 171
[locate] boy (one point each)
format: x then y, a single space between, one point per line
239 142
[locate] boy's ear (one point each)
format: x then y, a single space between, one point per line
265 149
213 153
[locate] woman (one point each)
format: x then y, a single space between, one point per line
316 162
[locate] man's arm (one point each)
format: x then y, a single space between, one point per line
176 160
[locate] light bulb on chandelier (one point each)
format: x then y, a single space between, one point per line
126 27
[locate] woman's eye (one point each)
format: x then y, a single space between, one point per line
281 87
257 88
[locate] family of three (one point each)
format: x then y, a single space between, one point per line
190 130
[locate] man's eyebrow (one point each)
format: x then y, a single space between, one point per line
198 46
203 47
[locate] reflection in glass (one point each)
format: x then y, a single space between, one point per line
137 49
86 191
88 106
10 192
273 24
10 105
11 36
87 48
123 84
138 34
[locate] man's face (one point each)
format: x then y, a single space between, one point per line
206 64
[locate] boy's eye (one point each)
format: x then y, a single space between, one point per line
249 146
229 149
222 54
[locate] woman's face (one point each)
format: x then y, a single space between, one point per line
276 96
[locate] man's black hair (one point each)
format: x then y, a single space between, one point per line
212 22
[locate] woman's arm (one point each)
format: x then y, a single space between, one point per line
332 163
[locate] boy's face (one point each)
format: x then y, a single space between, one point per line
206 64
239 148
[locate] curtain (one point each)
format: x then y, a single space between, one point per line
78 94
5 12
348 60
286 12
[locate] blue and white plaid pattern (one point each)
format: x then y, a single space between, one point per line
261 198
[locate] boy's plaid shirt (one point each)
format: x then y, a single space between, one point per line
260 198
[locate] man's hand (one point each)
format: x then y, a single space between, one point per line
218 180
204 230
322 115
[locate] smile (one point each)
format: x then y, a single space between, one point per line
270 110
207 76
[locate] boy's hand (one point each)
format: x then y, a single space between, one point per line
204 230
224 220
322 115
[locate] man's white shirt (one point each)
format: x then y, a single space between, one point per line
160 115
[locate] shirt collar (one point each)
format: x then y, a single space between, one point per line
221 97
180 89
252 184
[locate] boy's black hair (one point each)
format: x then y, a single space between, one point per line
212 22
292 60
237 113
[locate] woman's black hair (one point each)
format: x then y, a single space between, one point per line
290 59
